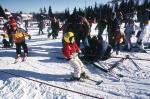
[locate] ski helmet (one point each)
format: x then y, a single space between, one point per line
67 36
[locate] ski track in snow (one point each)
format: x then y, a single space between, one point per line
42 65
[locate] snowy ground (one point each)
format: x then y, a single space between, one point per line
43 66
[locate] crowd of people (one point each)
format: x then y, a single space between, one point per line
77 28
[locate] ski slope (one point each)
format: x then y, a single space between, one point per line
38 77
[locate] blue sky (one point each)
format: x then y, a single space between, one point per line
35 5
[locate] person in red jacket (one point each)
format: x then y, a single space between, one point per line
70 51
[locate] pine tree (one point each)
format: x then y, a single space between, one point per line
67 13
2 13
50 13
44 10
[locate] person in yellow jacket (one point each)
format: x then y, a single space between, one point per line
19 39
6 44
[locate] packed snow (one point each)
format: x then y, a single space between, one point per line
38 77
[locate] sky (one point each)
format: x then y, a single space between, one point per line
27 6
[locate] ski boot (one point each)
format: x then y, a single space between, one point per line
76 78
84 76
25 57
17 58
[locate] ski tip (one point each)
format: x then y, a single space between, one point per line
120 75
99 82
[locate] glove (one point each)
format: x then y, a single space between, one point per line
29 37
74 55
81 55
80 52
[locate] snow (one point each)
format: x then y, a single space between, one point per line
43 66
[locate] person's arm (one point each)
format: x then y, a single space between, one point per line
77 48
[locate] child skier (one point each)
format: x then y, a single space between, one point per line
6 44
70 51
19 39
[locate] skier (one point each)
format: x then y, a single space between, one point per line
129 31
104 49
55 28
118 38
19 39
41 26
6 44
144 30
70 51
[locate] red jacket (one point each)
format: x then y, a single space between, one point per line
69 49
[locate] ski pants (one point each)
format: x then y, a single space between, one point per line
11 39
23 45
41 31
128 40
77 65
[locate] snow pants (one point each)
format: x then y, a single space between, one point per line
77 65
128 40
23 45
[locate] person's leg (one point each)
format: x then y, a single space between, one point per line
39 31
127 41
25 48
83 74
18 49
11 40
100 32
111 40
118 48
42 31
80 64
108 52
76 67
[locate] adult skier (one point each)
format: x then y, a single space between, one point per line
129 31
144 30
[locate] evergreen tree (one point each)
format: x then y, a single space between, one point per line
75 10
44 10
67 13
2 13
50 13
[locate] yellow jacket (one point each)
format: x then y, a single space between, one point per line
19 36
4 35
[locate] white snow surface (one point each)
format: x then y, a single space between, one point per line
43 66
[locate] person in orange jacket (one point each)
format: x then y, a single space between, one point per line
70 51
19 39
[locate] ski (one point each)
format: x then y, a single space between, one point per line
85 80
138 67
97 82
101 68
17 60
117 63
117 76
